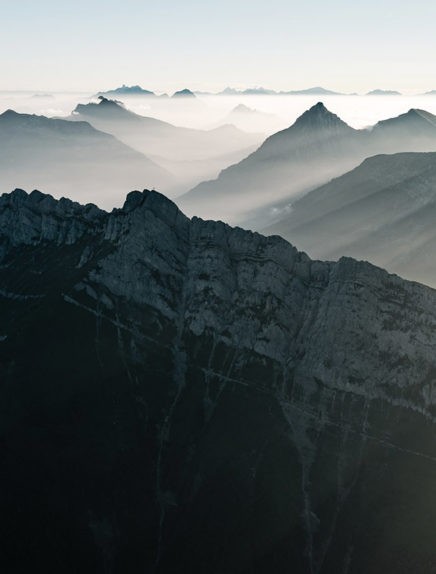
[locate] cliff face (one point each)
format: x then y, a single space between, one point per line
178 395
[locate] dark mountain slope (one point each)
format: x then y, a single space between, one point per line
180 396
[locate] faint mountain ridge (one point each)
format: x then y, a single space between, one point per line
252 120
128 91
379 92
261 91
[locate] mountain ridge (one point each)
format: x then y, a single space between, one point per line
168 374
317 147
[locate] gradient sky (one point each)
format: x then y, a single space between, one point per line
344 45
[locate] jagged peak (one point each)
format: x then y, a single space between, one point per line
153 201
19 198
109 102
104 104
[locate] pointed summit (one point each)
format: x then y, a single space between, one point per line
318 116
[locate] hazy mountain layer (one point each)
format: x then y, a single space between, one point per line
252 120
181 396
72 159
188 153
383 211
318 147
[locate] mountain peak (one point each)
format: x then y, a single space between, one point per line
9 114
108 102
104 106
184 94
242 108
318 116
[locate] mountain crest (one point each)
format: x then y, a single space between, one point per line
318 116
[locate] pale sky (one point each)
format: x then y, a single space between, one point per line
345 45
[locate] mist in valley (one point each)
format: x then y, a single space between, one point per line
239 159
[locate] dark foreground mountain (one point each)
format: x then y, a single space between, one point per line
383 211
318 147
190 154
71 159
181 396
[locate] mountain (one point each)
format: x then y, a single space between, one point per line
181 396
382 211
190 154
383 93
251 120
317 91
230 92
184 94
318 147
257 92
412 131
315 148
430 93
71 158
128 91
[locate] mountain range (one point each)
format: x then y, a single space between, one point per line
189 154
259 91
128 91
71 158
316 148
379 92
182 396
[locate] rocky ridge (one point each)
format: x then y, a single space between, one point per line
261 398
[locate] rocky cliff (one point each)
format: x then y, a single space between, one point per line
182 396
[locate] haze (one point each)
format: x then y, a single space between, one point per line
347 46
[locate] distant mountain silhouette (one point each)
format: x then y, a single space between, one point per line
383 211
383 93
71 158
184 94
128 91
317 91
318 147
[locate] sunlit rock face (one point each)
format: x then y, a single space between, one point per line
181 396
